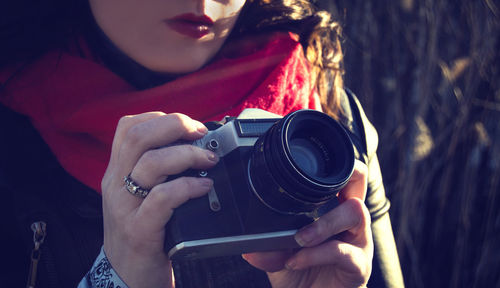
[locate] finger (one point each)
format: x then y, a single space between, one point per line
349 258
268 261
126 122
158 206
351 215
357 185
156 165
157 132
123 125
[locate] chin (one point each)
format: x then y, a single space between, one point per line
174 68
189 60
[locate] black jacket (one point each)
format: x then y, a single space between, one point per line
35 188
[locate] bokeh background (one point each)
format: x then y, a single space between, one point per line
428 74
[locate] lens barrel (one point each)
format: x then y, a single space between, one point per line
301 162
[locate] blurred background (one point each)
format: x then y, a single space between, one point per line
428 75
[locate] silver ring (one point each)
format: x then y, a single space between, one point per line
135 189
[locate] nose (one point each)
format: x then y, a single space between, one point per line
203 5
210 8
200 5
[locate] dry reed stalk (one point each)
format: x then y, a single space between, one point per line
428 74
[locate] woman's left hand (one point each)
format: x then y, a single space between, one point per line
342 261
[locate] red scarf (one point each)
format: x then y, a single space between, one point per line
75 103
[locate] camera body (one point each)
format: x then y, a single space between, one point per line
273 175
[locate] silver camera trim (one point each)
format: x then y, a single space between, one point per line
228 245
227 137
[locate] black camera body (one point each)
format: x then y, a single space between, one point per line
273 176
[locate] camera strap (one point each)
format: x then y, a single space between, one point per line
351 119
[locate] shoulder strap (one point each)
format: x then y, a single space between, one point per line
351 118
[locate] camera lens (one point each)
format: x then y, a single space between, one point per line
308 156
301 162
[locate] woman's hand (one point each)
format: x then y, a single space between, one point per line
134 227
344 261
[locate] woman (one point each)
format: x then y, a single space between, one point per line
83 72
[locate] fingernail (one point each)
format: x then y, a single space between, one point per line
212 156
305 236
201 128
291 264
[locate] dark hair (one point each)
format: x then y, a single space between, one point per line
29 28
318 34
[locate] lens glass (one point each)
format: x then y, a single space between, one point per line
317 150
308 155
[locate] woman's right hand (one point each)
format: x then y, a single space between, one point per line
134 228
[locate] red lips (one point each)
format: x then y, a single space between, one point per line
191 25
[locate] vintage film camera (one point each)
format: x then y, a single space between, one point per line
273 175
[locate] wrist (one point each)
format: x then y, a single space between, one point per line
139 271
102 273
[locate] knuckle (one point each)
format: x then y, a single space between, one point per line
124 121
322 227
188 153
149 158
354 204
192 150
190 187
124 125
178 154
178 119
181 122
172 193
186 183
358 210
158 193
134 135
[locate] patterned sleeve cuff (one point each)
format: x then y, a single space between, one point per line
102 275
